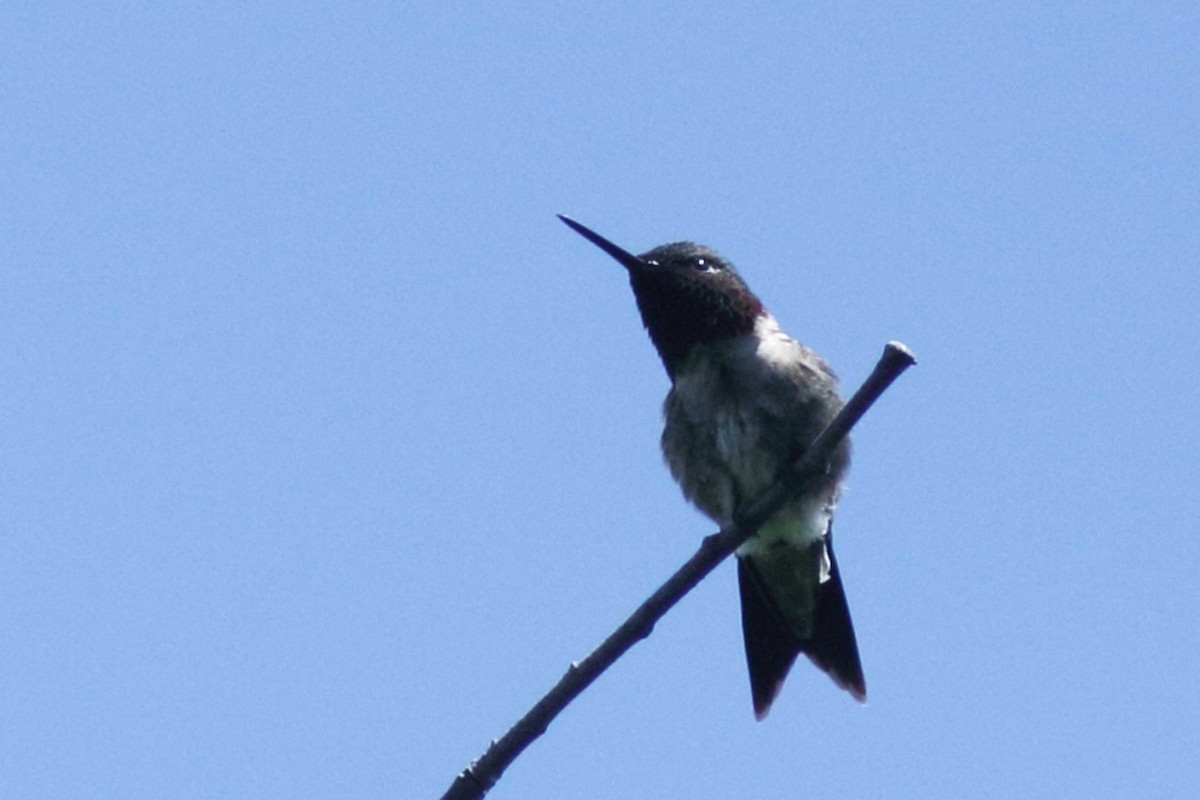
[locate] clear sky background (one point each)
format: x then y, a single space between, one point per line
325 447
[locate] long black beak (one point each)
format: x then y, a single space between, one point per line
627 259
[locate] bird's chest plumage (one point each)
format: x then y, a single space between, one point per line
723 418
713 443
739 410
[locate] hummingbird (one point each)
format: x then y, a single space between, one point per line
746 400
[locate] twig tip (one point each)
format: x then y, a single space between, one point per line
900 352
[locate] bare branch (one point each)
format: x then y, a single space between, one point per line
477 779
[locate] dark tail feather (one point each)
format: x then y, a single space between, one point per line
833 646
772 647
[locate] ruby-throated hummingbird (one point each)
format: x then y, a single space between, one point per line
746 400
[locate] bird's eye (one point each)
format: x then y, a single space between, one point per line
701 265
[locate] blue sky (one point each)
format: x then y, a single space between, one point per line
326 447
